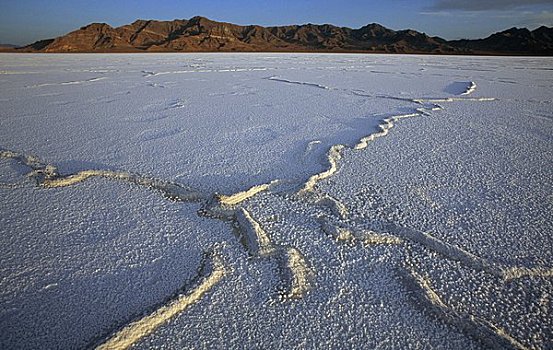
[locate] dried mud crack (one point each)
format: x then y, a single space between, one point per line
210 272
481 330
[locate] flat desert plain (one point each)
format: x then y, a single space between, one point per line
276 201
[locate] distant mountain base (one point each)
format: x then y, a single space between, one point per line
7 47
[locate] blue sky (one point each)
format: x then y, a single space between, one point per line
25 21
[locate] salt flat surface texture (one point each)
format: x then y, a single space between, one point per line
276 201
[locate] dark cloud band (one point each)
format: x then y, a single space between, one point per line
483 5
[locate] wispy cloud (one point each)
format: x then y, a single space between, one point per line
435 13
485 5
542 18
449 13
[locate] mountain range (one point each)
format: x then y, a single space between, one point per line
200 34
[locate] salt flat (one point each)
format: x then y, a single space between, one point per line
276 201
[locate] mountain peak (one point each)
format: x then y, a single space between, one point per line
374 25
515 31
96 26
200 20
543 28
141 22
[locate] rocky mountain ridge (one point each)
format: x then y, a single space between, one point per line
200 34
